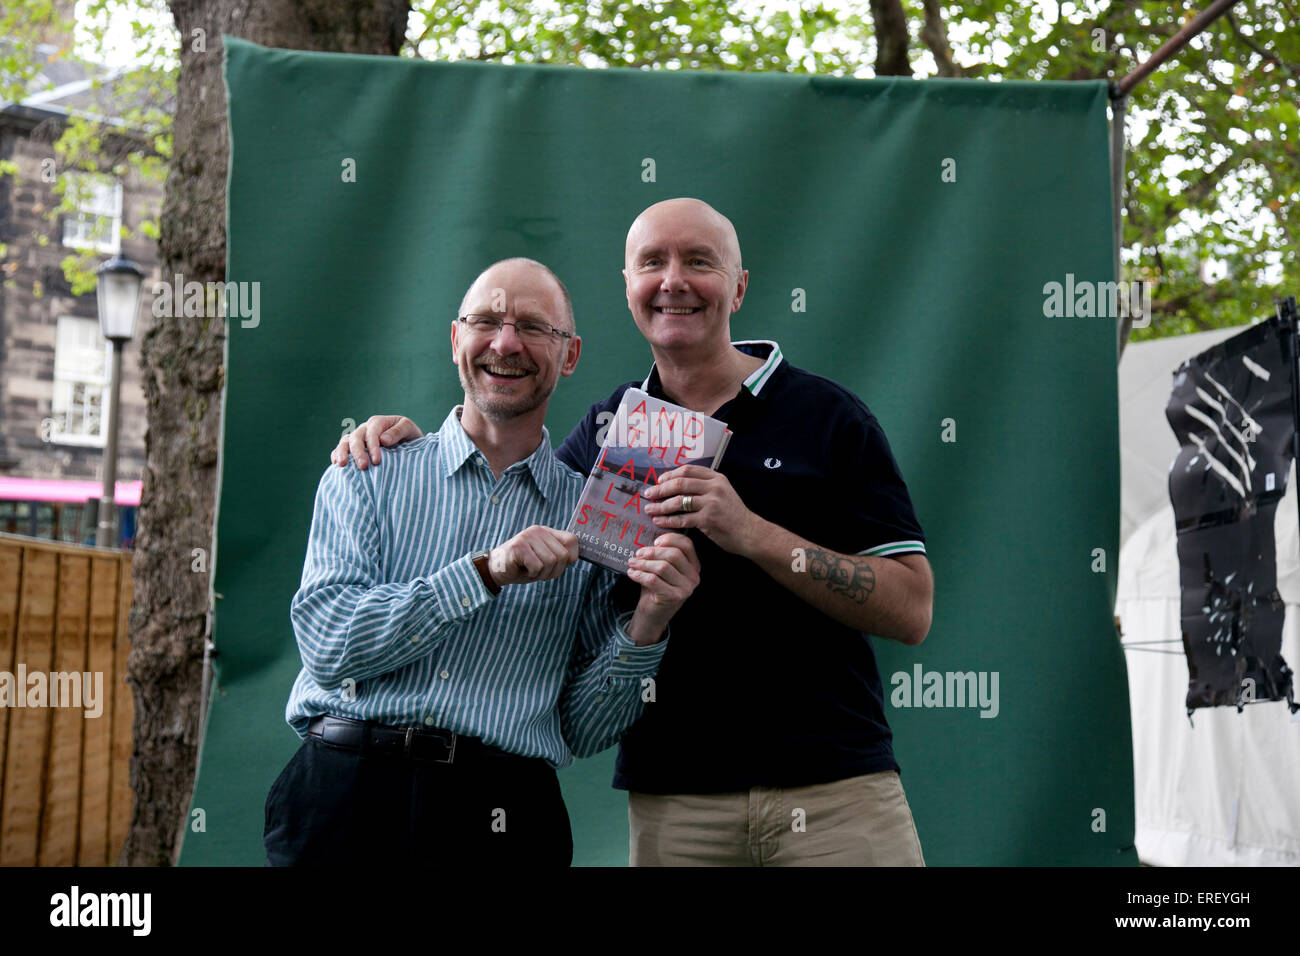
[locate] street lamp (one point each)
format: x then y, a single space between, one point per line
121 283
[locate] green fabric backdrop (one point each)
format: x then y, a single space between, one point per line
924 296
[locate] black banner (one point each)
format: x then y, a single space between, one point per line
1232 410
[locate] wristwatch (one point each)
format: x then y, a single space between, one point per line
480 559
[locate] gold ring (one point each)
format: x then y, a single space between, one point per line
688 504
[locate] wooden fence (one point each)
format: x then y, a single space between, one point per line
65 794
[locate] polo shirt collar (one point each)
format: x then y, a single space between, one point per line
765 349
455 448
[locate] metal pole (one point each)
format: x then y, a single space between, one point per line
1118 106
106 535
1173 45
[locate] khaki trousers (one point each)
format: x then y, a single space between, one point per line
858 821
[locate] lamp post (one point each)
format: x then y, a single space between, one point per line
121 283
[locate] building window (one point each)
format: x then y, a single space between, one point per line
97 222
81 369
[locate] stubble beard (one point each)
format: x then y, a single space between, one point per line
503 411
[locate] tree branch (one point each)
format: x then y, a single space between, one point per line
1268 56
1204 294
934 34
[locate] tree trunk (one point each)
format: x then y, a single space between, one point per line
891 38
181 361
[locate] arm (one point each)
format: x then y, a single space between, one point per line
615 654
348 623
351 626
888 597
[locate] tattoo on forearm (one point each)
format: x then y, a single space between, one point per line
847 576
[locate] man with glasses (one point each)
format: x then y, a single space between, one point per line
767 743
454 651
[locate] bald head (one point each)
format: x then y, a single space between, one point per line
679 217
684 279
501 281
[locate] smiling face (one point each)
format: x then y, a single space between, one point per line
505 376
683 274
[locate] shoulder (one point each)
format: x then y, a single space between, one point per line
827 395
396 463
416 448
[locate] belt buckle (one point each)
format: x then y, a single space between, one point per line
451 749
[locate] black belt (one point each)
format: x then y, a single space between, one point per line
418 743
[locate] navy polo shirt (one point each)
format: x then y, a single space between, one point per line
758 687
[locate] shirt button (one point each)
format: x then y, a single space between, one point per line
415 638
622 658
496 500
599 698
465 601
445 674
428 721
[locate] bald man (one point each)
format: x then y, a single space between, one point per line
454 651
767 742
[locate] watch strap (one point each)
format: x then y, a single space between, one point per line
480 559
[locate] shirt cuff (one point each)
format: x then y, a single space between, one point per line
632 660
458 589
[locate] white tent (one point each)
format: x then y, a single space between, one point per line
1226 791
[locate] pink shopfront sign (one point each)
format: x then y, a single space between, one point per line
57 489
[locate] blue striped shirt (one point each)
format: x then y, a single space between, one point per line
394 623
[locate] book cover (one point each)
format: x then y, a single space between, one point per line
646 438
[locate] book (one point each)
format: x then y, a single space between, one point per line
646 438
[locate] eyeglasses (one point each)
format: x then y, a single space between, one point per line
529 329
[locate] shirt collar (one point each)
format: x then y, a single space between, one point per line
455 448
765 349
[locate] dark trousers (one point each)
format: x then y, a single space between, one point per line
332 807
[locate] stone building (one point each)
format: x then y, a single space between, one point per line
54 363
